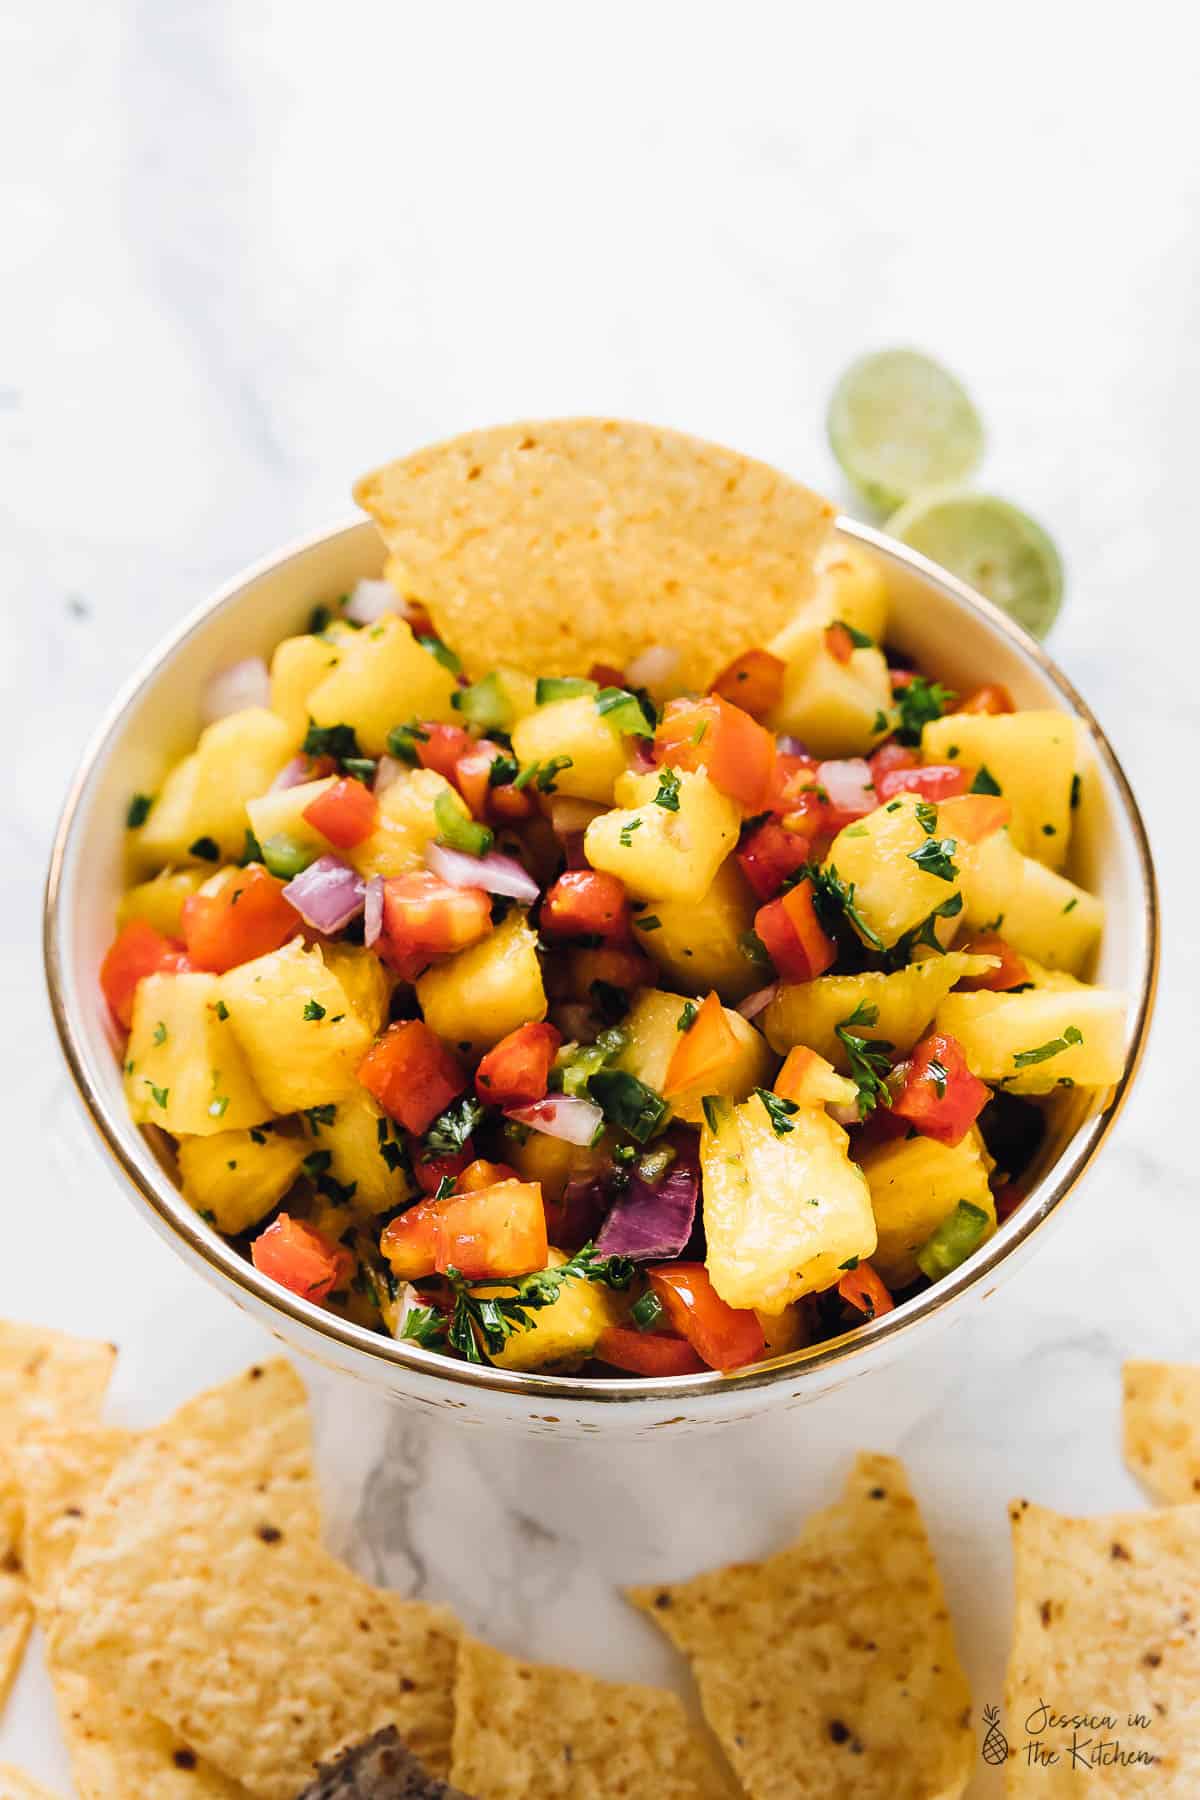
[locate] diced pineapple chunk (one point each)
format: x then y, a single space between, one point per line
384 677
852 589
297 667
478 996
809 1080
652 1032
366 980
839 709
362 1146
893 893
236 1177
406 824
782 1214
205 794
567 1330
698 944
662 853
1033 1042
297 1027
160 901
786 1330
552 1162
810 1011
915 1183
1032 756
573 728
1041 913
184 1067
281 814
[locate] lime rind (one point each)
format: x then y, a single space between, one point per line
900 424
991 545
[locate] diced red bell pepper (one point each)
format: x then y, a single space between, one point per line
864 1290
473 772
793 775
605 675
706 1049
994 697
753 681
725 1337
940 1096
431 1171
424 917
1012 973
483 1174
891 756
794 937
517 1070
345 813
441 746
412 1074
653 1353
710 734
972 817
496 1231
136 951
587 903
300 1258
936 781
770 854
248 918
838 642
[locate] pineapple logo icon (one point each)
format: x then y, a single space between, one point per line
995 1744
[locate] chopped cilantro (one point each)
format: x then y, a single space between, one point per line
320 1115
402 741
206 848
441 653
752 947
313 1009
778 1110
687 1017
934 856
550 770
919 702
870 1059
425 1325
901 952
713 1108
480 1327
649 922
627 831
1049 831
1025 1058
668 790
221 1010
138 810
337 741
159 1095
318 619
502 770
879 723
160 1033
834 899
647 1311
860 639
628 1103
985 782
1076 788
1072 903
926 817
450 1130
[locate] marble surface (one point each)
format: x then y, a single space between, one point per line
249 249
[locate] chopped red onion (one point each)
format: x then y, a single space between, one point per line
369 601
388 771
790 746
494 873
641 761
560 1116
327 894
291 774
243 684
849 784
758 1002
373 911
654 668
650 1222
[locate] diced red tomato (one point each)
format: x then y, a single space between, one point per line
424 917
512 803
472 773
972 817
889 757
848 789
753 681
431 1171
707 1048
838 642
300 1258
587 903
793 775
495 1231
940 1096
412 1074
1012 973
484 1174
517 1070
936 781
617 965
345 813
652 1353
992 698
864 1290
737 752
441 747
248 918
793 935
725 1337
604 675
136 951
770 854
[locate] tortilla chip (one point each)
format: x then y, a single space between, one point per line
1161 1415
15 1785
16 1620
1107 1622
552 545
209 1607
829 1671
525 1728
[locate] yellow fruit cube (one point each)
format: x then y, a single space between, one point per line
184 1067
782 1212
297 1027
1032 756
566 1331
160 901
665 852
281 814
652 1031
552 1162
810 1011
901 865
1031 1043
915 1183
205 795
363 1146
852 589
383 679
839 709
234 1178
297 667
698 944
1040 912
367 982
406 824
786 1330
480 995
573 728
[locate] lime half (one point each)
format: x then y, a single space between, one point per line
899 423
994 547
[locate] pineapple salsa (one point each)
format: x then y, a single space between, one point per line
592 1022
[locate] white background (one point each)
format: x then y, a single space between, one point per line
249 249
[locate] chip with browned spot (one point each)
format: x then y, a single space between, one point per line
1161 1418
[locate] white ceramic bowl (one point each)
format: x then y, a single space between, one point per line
945 626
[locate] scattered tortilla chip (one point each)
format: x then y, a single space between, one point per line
207 1606
381 1768
16 1614
524 1728
1107 1628
1161 1415
552 545
829 1671
16 1785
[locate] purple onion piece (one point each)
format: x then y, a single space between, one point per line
373 911
650 1223
327 895
790 746
291 775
